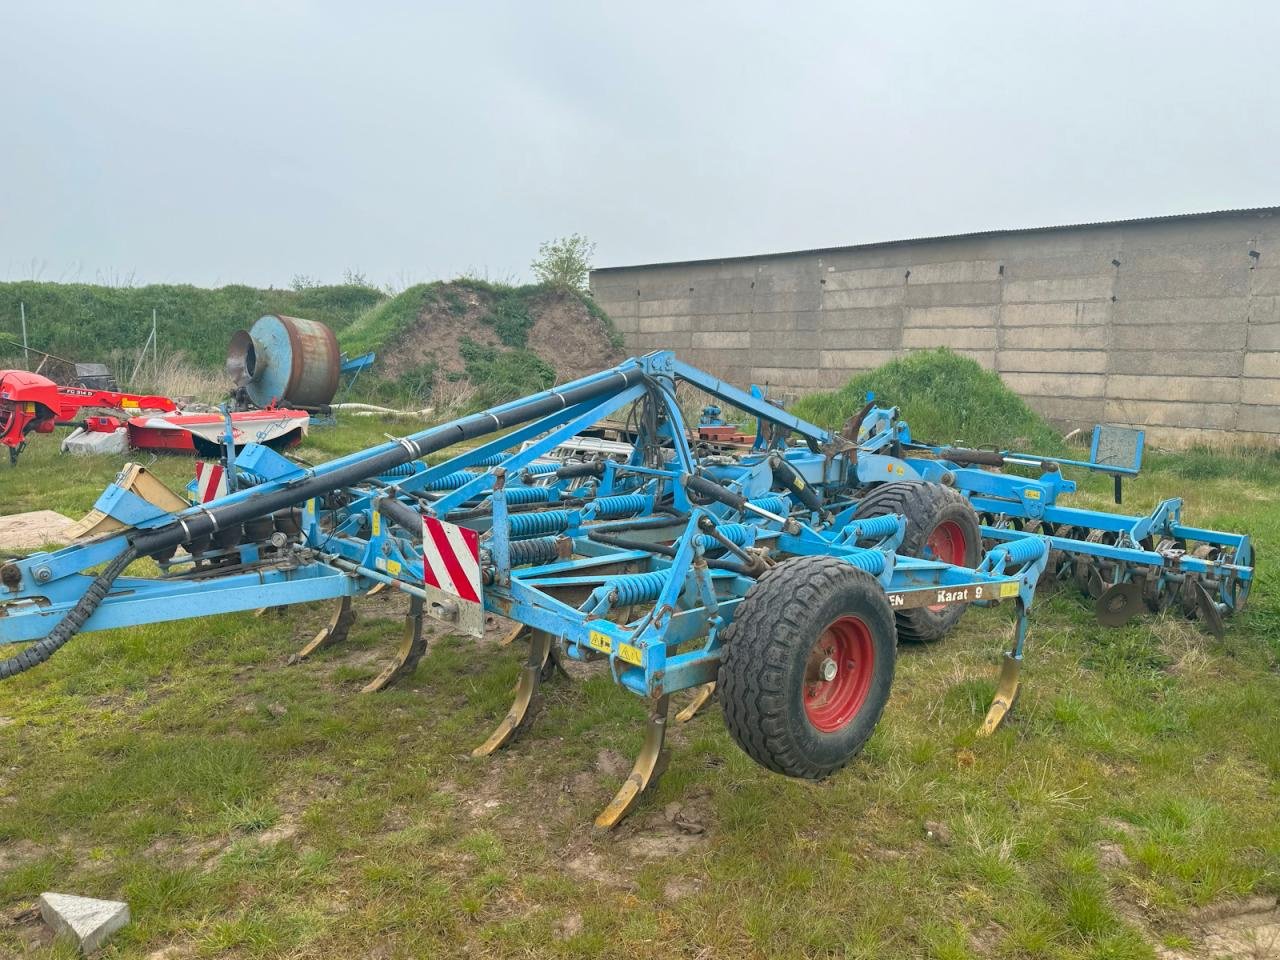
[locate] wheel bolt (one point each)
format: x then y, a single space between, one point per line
828 669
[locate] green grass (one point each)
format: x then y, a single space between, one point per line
946 398
69 319
249 808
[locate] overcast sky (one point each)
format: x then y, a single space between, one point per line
224 142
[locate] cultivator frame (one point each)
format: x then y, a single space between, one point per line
643 562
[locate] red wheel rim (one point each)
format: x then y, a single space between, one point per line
838 674
946 542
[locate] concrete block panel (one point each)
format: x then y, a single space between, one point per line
1266 391
1140 413
1086 313
934 294
963 338
861 319
1173 363
1189 336
1072 410
877 337
1259 419
618 308
663 324
1264 337
1265 281
682 306
1178 312
1058 288
861 279
1262 364
1170 387
789 302
1056 384
1052 361
1133 285
868 297
985 358
790 376
969 316
672 340
1018 266
790 355
1054 338
625 324
855 359
721 339
959 271
767 322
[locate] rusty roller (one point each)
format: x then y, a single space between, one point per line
285 360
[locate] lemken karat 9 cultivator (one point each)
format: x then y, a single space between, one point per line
782 574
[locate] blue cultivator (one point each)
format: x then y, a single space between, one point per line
758 571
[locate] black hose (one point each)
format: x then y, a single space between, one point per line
70 624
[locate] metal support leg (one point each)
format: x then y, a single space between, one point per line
413 647
527 701
649 766
335 631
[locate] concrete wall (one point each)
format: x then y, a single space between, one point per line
1170 324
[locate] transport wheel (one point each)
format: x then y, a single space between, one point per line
941 525
807 666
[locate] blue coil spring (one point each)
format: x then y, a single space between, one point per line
1025 550
877 528
734 532
452 481
492 460
404 469
637 587
624 505
539 524
773 504
540 469
871 561
528 494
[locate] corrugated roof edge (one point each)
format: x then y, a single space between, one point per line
1204 215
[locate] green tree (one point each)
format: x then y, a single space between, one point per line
565 263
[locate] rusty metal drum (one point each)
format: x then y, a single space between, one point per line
287 360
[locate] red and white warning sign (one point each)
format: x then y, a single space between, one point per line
211 481
451 559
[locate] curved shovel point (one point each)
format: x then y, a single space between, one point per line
412 648
335 631
527 701
1208 611
1119 604
701 697
512 635
1007 688
649 767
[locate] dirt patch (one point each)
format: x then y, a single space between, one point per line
564 334
1244 929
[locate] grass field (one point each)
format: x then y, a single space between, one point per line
248 808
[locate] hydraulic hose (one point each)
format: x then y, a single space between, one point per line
69 625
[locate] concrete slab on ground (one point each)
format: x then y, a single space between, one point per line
84 920
26 531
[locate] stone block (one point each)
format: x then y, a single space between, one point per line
1052 361
962 338
970 316
86 922
1049 289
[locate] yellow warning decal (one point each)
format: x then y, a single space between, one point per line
799 483
393 567
602 642
1009 589
377 522
1031 494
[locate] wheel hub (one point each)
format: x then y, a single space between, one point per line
838 674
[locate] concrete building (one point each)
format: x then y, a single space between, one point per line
1168 323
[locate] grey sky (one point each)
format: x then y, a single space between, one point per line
247 142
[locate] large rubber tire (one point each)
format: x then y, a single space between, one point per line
800 614
936 516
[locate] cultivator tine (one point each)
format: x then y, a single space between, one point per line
377 589
412 648
1006 695
524 708
335 631
649 766
701 697
512 635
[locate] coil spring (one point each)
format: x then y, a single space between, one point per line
637 587
528 494
1025 550
539 469
404 469
539 524
540 550
877 528
733 532
624 505
871 561
492 460
452 481
772 504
